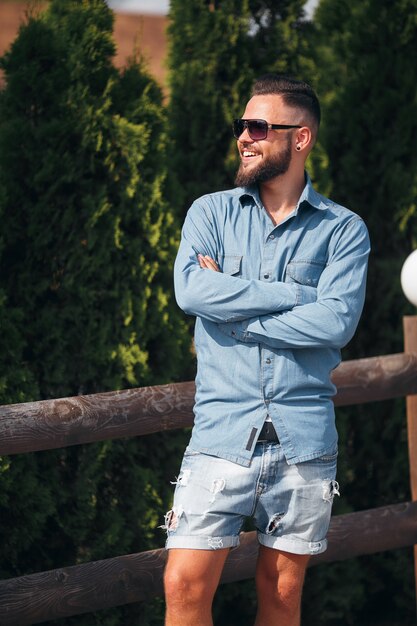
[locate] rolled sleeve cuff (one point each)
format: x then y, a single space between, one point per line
305 295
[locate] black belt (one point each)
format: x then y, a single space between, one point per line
268 434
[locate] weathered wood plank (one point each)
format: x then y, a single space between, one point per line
138 577
83 419
49 424
375 378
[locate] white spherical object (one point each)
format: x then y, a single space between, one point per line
409 278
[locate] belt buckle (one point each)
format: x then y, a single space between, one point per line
268 434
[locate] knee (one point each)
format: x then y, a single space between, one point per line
289 589
180 588
284 587
175 583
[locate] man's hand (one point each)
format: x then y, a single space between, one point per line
207 263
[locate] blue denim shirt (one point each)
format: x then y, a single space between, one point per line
271 324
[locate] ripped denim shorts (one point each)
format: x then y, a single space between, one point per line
290 504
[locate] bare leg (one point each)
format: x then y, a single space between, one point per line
279 583
191 579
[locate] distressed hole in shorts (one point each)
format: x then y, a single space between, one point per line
217 486
172 518
330 490
182 479
274 523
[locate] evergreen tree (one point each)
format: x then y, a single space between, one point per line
87 249
208 60
365 52
87 234
279 35
215 50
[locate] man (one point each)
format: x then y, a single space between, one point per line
275 275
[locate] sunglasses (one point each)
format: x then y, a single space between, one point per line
257 129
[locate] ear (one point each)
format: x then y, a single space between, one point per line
303 139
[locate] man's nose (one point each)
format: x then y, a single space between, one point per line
245 137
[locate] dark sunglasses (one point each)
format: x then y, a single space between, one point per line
257 129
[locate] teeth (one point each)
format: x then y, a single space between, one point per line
248 153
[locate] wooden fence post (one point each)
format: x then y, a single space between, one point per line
410 345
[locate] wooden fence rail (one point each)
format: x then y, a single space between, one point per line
131 578
138 577
64 422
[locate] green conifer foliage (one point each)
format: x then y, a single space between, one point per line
215 50
208 60
88 241
87 233
279 37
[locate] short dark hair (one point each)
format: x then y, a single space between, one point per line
294 93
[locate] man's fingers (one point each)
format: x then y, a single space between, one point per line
202 261
207 263
211 264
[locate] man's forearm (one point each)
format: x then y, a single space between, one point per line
315 325
220 297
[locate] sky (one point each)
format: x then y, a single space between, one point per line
155 7
160 7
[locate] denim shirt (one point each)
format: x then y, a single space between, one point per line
271 323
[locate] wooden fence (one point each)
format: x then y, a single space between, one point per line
137 577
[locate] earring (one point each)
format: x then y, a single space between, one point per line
298 148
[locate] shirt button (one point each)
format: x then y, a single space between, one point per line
271 236
268 360
233 333
266 275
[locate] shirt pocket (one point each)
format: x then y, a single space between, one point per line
304 272
231 263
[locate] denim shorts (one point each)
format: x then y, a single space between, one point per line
290 504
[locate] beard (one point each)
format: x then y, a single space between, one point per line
270 168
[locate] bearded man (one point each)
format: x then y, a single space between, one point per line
275 274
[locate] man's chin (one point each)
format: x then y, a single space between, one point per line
249 177
245 177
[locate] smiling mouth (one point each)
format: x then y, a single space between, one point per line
247 154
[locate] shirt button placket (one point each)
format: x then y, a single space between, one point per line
267 366
268 256
267 359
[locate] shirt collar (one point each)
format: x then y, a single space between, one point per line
309 195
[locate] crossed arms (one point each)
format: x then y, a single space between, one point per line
277 314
